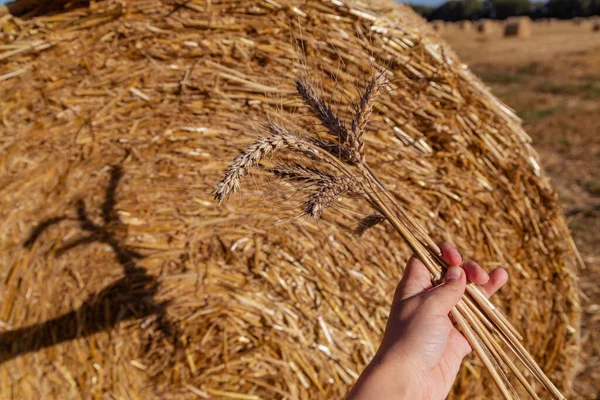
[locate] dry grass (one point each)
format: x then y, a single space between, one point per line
165 294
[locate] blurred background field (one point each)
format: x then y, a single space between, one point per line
552 80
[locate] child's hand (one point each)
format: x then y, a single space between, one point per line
421 351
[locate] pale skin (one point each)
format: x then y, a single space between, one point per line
421 351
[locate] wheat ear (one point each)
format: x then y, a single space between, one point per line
327 192
364 110
278 139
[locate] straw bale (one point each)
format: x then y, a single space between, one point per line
486 26
518 26
596 26
120 276
465 25
438 24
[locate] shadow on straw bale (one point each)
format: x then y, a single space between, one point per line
130 297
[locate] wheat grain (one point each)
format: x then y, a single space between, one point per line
367 223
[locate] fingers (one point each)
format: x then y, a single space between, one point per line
475 273
498 277
442 298
450 254
488 283
416 279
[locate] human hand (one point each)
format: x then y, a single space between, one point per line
421 351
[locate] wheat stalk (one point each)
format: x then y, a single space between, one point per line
486 329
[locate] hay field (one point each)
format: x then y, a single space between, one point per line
552 80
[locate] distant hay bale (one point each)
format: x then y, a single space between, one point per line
518 26
121 277
465 25
596 26
438 25
486 26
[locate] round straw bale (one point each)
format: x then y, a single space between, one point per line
485 26
121 276
438 25
465 25
518 26
596 26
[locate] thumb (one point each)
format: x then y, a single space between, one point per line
445 296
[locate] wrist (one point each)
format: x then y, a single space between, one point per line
386 381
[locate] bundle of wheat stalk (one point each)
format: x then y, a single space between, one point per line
121 276
479 321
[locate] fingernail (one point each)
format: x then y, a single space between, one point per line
453 273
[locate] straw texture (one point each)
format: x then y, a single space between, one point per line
121 275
